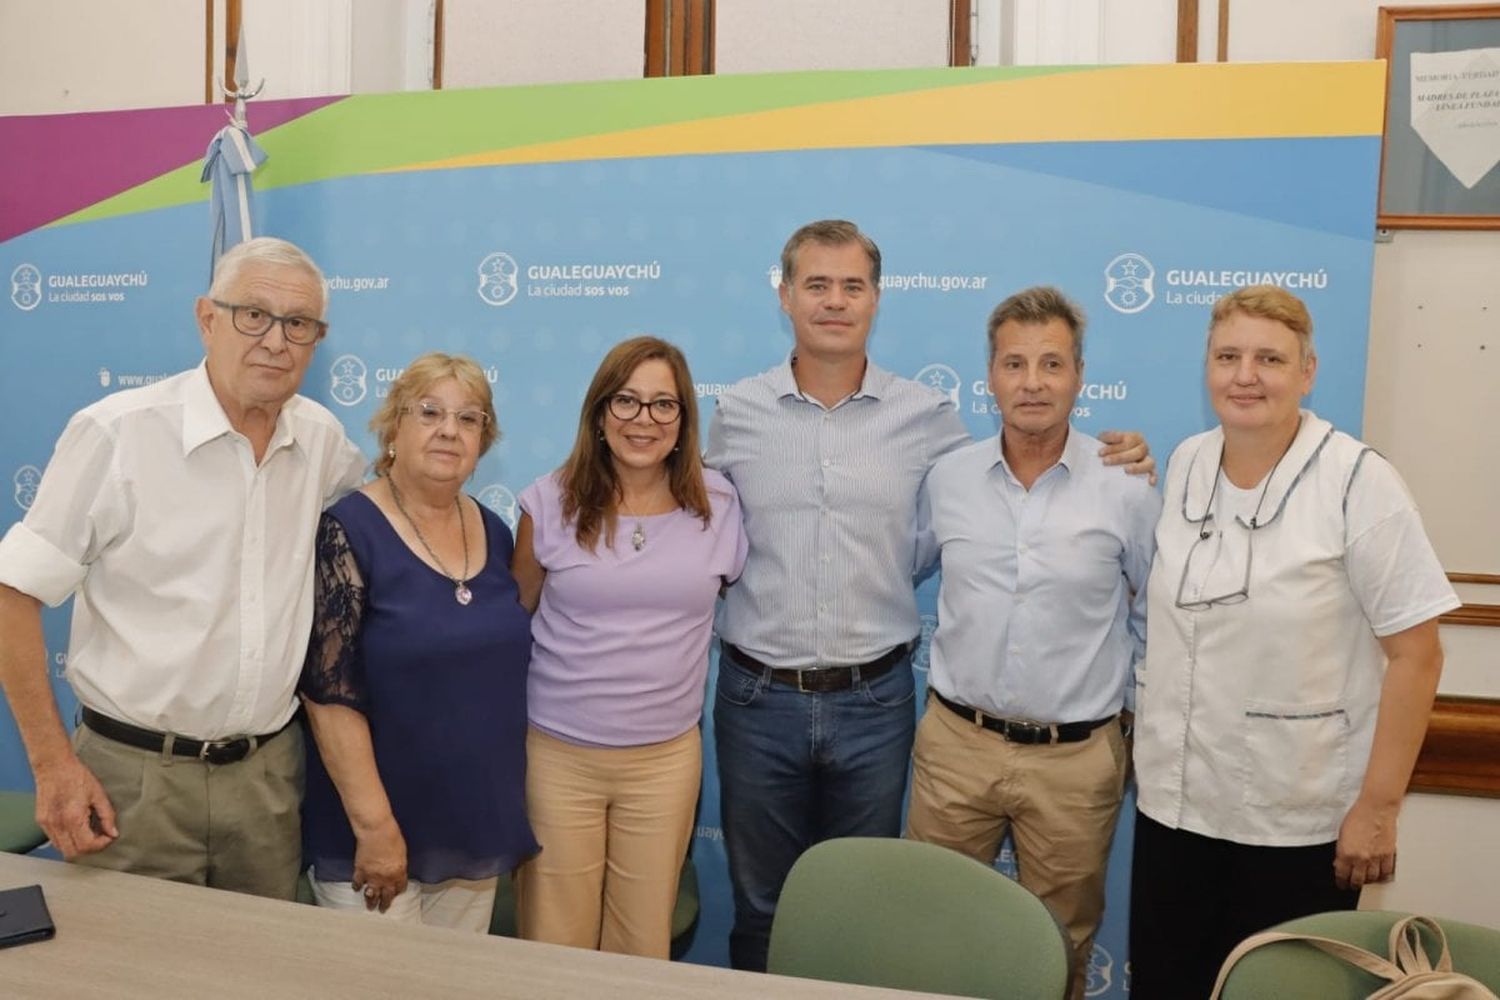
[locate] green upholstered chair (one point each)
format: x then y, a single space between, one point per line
684 917
18 830
1290 970
909 915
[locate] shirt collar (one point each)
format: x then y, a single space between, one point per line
1203 468
874 384
204 419
1075 452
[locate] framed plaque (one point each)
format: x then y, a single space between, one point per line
1438 165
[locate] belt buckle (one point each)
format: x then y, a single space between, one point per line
1030 733
801 688
211 750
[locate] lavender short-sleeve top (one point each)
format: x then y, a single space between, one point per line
620 637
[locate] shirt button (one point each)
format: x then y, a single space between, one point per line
827 462
823 558
1020 598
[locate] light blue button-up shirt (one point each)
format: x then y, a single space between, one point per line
829 496
1036 618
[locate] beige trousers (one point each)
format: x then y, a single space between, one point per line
614 825
230 826
1058 801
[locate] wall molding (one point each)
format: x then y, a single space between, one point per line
1490 579
1461 752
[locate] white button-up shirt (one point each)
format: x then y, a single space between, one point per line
1254 720
192 564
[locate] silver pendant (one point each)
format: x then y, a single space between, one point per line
638 537
462 594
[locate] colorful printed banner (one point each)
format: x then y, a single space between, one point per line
533 227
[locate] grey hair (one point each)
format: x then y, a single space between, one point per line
265 250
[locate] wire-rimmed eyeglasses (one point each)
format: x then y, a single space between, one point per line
430 414
253 321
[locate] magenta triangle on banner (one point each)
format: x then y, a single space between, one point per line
55 165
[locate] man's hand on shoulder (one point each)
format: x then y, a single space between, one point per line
1128 448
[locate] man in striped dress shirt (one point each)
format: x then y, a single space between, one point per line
814 715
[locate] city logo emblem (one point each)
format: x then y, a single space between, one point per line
1129 283
1101 972
104 377
26 287
942 378
347 379
502 501
27 479
498 274
921 657
774 273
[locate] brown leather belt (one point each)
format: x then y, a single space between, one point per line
1019 731
211 751
821 680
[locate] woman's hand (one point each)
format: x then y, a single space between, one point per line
1128 448
380 866
1366 850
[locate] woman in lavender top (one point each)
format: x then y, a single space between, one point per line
621 553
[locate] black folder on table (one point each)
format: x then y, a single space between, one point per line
24 916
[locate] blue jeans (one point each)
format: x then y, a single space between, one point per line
798 768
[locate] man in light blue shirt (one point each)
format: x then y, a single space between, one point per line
814 714
1041 617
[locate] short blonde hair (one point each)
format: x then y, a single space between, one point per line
1268 302
419 376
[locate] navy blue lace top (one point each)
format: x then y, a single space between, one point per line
443 686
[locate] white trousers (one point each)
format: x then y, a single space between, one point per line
458 903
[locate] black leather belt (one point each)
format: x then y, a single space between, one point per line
210 751
1024 732
822 679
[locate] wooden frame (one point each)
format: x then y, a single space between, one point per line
1458 754
1428 181
679 37
960 36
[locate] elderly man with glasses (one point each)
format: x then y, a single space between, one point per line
182 516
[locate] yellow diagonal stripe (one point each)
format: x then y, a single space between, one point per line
1174 101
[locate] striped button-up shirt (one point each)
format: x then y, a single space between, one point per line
829 496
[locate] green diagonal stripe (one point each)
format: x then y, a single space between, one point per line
372 132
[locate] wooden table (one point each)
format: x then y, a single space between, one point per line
126 936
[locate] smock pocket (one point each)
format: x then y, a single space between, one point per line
1295 755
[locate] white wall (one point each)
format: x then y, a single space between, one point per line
762 36
89 55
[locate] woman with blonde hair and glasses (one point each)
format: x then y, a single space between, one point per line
415 681
622 553
1290 666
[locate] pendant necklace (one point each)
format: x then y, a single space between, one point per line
638 536
461 592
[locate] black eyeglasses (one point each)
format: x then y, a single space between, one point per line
1238 596
253 321
624 406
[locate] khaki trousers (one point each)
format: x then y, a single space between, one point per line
229 826
614 825
1059 802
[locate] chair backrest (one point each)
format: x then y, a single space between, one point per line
909 915
1291 970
